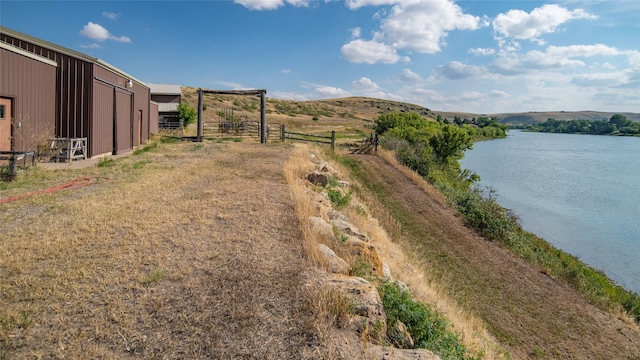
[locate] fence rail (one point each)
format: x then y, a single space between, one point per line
15 159
321 139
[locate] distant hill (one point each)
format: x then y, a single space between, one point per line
533 117
366 109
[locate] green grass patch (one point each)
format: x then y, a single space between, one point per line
154 275
106 162
338 200
428 328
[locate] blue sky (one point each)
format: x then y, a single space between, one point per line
473 56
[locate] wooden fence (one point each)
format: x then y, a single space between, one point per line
321 139
13 160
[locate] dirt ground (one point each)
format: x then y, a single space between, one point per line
532 314
186 254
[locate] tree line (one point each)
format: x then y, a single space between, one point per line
617 125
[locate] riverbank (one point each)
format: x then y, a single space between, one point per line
529 311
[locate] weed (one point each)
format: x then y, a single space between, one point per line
361 268
338 200
428 328
154 275
106 162
334 181
140 164
145 149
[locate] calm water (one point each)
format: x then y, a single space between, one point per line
581 193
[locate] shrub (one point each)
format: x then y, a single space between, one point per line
337 199
428 328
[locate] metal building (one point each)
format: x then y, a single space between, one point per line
92 99
168 98
27 99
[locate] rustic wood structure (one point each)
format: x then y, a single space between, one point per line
261 92
321 139
14 160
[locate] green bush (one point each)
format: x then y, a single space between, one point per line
338 200
428 328
187 113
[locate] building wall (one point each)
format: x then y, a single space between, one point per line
153 116
31 85
175 99
73 98
81 107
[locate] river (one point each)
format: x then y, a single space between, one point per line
581 193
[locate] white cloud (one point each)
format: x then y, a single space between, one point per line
110 15
600 79
269 4
422 26
355 32
364 85
409 76
455 70
412 25
286 71
356 4
330 91
91 46
519 24
369 52
99 33
554 57
482 51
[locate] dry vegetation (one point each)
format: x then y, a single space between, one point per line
189 252
204 250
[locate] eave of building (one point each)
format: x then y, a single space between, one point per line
25 53
68 52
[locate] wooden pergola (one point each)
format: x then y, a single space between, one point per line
261 92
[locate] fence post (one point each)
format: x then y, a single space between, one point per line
282 133
200 125
333 140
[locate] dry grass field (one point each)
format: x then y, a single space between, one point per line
187 250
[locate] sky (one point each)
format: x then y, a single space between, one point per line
483 57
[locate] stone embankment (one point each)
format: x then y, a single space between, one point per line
348 256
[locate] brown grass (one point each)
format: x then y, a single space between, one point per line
193 255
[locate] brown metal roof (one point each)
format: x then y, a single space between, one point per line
67 51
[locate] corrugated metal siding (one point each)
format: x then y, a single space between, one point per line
175 99
31 85
141 101
153 118
124 122
168 107
102 127
73 99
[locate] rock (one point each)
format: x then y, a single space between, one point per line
335 263
343 183
321 227
412 354
399 336
386 271
371 318
335 215
318 179
325 167
347 228
366 252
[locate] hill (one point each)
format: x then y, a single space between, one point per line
533 117
356 112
